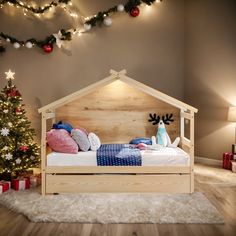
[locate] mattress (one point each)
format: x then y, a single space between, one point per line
163 157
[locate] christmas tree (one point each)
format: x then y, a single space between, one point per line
18 151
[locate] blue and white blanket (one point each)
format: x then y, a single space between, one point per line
118 155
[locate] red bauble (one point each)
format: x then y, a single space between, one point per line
48 47
134 11
13 92
23 148
18 110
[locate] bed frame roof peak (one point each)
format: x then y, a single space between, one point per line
115 75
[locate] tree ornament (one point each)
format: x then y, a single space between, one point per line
8 156
18 110
23 148
107 21
134 11
18 161
87 27
13 93
9 75
5 148
58 38
48 47
120 7
28 44
4 131
8 40
16 45
16 137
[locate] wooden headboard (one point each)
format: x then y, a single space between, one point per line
118 113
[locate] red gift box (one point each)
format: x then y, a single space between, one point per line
227 157
21 184
4 186
35 181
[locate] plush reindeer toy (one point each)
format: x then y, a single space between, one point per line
162 138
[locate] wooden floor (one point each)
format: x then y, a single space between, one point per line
221 194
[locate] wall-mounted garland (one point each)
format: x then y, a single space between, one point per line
36 10
102 17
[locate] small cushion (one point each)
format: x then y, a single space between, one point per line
81 139
59 140
82 129
141 140
61 125
94 141
141 146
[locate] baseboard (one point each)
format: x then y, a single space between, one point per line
207 161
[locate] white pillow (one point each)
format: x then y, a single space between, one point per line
94 140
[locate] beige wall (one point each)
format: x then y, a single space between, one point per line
150 47
186 49
210 72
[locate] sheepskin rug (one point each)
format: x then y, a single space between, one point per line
112 208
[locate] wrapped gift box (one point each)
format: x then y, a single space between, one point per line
21 184
35 180
4 186
227 158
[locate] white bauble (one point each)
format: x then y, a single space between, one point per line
120 7
16 45
87 27
29 44
8 40
107 21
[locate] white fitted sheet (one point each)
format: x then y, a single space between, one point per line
163 157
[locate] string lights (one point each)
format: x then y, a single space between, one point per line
18 151
101 18
36 10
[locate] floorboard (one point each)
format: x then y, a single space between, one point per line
222 194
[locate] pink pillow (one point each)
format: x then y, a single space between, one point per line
59 140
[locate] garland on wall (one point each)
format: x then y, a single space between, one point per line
103 17
36 10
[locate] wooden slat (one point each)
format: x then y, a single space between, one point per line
117 169
186 141
49 115
192 151
181 124
43 152
186 115
118 183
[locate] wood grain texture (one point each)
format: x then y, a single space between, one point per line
174 183
222 196
117 169
118 113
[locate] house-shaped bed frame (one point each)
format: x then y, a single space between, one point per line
75 179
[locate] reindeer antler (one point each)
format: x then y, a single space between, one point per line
154 118
167 118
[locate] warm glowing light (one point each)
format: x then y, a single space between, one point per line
232 114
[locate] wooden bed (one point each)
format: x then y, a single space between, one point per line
116 109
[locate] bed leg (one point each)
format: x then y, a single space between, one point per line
192 182
43 184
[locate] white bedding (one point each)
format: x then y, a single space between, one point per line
163 157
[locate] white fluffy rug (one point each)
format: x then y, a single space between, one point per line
113 208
